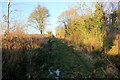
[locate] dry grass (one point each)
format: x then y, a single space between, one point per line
13 41
15 46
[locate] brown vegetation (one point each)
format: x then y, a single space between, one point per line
15 50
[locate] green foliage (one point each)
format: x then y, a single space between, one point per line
82 29
67 59
99 63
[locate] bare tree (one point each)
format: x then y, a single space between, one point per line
8 7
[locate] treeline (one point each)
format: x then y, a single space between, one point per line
91 30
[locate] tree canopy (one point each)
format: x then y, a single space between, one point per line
38 18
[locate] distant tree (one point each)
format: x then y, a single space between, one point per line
39 18
99 23
117 17
60 31
66 18
49 32
9 19
18 27
7 16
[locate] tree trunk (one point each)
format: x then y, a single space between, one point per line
41 31
8 7
65 30
105 51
